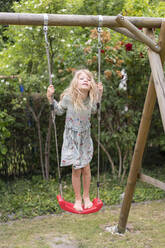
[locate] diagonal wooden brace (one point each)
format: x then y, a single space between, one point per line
126 32
139 35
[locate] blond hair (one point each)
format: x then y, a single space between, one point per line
76 94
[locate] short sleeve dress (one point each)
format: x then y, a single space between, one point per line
77 148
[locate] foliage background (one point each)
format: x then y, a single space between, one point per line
22 54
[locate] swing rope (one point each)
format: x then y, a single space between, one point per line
99 46
45 29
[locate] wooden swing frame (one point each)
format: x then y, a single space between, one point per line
156 88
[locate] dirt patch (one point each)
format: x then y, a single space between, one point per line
63 241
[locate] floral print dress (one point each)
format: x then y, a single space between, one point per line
77 148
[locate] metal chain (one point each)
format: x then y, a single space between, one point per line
99 46
45 28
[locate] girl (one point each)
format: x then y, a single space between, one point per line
79 100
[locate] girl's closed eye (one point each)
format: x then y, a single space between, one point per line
83 78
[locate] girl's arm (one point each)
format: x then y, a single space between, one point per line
100 92
59 107
50 93
94 108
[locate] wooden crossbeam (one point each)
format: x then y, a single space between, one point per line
140 35
8 18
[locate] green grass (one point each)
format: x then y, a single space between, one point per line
31 217
146 229
29 198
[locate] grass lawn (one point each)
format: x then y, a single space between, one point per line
146 229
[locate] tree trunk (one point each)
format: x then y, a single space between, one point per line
37 120
124 167
109 158
40 145
120 159
47 148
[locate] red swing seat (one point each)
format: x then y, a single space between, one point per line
67 206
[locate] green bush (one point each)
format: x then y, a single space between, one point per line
29 198
5 121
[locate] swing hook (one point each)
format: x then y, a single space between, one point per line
45 28
99 29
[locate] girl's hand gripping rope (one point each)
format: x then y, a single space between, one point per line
50 93
100 90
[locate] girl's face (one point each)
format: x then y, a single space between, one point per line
84 82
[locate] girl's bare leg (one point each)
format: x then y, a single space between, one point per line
76 182
86 176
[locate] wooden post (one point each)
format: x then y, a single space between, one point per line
140 143
158 76
140 35
74 20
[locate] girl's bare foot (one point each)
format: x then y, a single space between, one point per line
87 203
78 205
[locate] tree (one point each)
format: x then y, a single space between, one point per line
103 7
6 6
25 56
144 8
5 121
72 48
